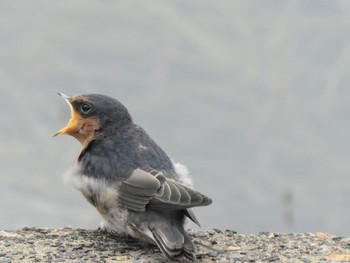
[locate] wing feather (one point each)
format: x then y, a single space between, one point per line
151 189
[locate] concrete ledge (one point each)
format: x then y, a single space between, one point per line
78 245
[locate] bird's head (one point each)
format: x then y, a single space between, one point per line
94 114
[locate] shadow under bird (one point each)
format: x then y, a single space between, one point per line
130 180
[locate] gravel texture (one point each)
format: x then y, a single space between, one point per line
78 245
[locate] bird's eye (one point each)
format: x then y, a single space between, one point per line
85 108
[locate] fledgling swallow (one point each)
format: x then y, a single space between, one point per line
130 180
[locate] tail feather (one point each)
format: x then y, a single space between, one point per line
189 249
189 213
173 242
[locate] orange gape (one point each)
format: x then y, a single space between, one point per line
83 129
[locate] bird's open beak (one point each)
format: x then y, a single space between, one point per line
68 128
63 95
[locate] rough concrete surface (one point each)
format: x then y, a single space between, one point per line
79 245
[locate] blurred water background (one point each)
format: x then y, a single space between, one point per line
253 96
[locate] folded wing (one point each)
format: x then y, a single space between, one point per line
152 190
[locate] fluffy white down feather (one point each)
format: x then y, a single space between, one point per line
184 174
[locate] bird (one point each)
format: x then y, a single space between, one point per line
138 190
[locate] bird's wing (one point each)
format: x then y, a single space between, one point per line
153 190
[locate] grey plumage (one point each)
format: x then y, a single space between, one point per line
153 189
132 182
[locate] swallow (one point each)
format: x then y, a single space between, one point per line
129 179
